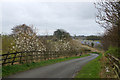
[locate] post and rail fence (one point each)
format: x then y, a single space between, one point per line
115 64
33 56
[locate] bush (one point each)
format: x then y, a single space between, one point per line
6 43
115 51
96 53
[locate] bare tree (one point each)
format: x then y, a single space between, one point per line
109 18
108 14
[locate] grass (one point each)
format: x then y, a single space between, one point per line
12 69
113 51
105 63
91 69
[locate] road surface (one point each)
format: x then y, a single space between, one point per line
66 69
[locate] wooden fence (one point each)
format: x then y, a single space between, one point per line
33 56
115 64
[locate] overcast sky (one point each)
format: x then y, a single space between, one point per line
74 17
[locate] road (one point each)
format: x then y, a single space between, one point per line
66 69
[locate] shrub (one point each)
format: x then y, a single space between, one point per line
115 51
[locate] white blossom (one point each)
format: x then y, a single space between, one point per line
13 47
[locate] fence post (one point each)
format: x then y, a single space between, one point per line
20 58
14 58
5 59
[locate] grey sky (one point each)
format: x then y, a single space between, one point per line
75 17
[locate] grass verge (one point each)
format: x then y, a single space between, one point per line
12 69
91 69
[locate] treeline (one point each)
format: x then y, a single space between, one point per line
91 37
25 38
109 18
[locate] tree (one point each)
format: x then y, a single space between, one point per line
92 44
26 39
61 34
22 28
6 41
93 37
108 14
109 18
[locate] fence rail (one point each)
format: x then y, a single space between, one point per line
33 56
115 64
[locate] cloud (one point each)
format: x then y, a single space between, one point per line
75 17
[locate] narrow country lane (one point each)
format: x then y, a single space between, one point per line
66 69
